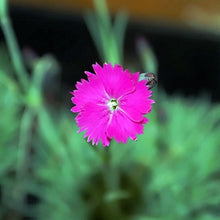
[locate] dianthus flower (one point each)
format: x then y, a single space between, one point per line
111 104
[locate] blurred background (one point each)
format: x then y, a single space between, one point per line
183 34
48 171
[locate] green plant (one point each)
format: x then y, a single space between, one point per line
48 171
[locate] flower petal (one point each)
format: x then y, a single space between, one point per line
121 127
116 81
88 91
135 104
94 119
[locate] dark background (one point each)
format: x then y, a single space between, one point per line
188 58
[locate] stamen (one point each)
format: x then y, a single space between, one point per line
113 104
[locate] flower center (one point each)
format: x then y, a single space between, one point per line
113 104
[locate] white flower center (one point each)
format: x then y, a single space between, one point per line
113 104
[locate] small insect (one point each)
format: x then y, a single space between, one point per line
151 79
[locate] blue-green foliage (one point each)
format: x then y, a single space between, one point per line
171 172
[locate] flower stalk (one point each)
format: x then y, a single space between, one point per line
12 45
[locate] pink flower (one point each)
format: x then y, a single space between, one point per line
111 104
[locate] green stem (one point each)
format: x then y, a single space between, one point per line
22 156
24 137
106 33
111 179
14 51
